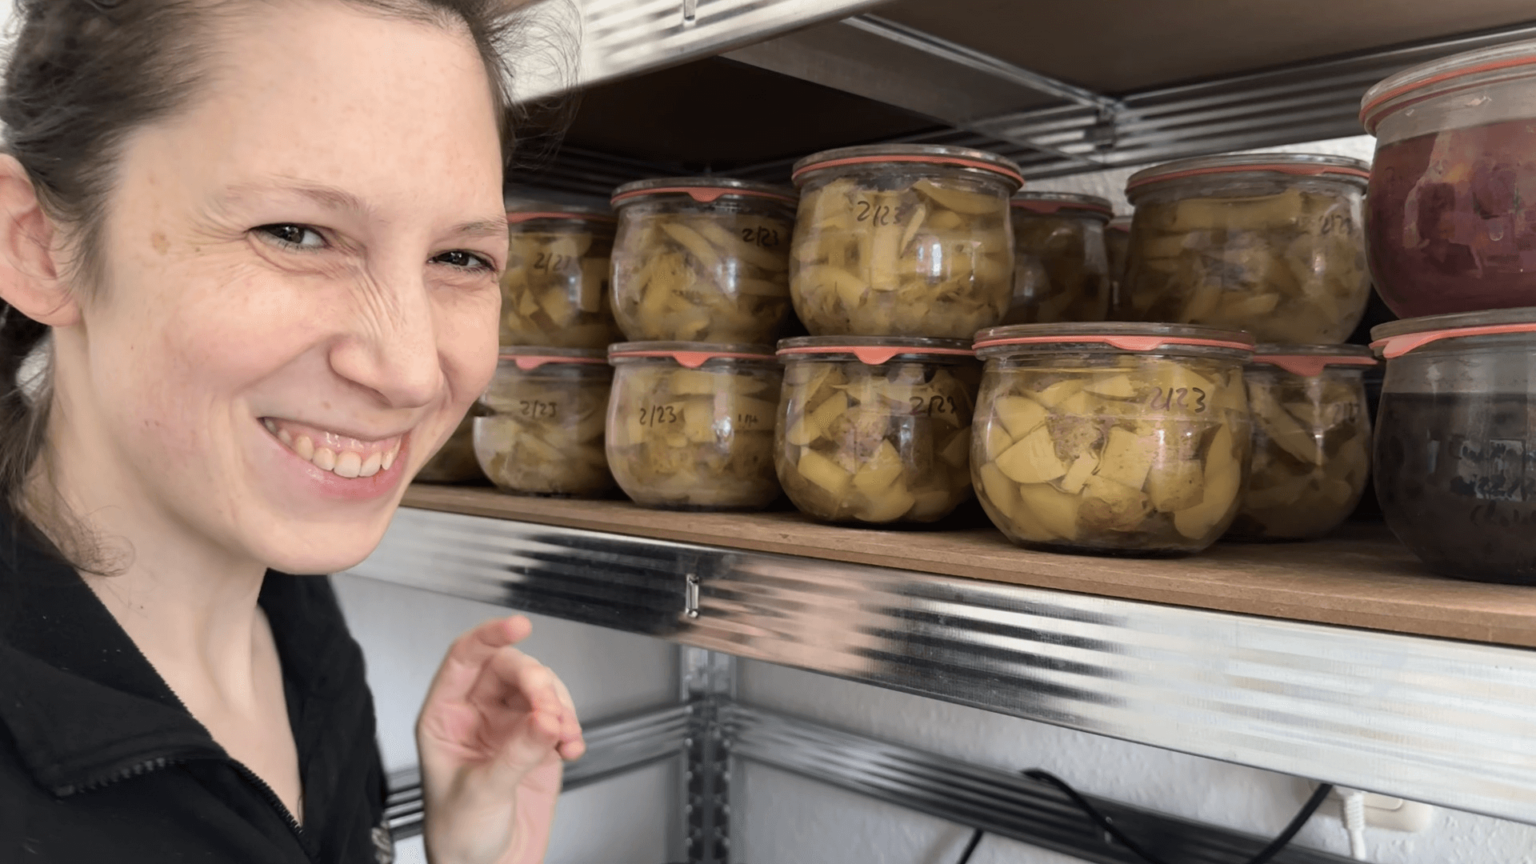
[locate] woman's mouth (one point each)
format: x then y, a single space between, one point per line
344 456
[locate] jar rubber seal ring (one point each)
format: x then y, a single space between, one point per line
1396 346
875 355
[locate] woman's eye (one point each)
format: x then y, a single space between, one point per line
300 236
465 260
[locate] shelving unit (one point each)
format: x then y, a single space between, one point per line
1342 661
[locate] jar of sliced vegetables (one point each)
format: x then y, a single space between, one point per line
876 429
702 259
555 288
1128 439
1270 243
903 240
542 429
1117 242
1311 440
690 424
1061 265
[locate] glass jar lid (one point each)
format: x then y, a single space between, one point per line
530 212
875 350
1121 336
528 357
1309 361
1070 203
1119 223
705 190
691 355
925 154
1447 75
1342 168
1396 338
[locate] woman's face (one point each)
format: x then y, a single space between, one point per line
299 295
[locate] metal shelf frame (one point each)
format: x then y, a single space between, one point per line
1429 720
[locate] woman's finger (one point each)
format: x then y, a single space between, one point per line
511 682
572 744
461 667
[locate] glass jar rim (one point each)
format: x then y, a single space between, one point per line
1119 223
1309 361
1131 337
874 350
585 214
1396 338
927 154
1047 203
705 190
529 357
1446 75
690 355
1341 168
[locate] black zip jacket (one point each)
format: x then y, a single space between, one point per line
101 762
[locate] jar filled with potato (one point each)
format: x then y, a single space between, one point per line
555 289
702 259
1118 439
545 412
1273 244
455 462
876 430
1061 265
903 240
1311 441
690 424
1117 242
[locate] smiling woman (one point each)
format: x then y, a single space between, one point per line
254 245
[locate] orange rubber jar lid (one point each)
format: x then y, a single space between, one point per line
876 350
1396 338
690 355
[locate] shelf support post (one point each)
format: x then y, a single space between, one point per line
708 684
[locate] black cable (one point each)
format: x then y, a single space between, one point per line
970 848
1105 824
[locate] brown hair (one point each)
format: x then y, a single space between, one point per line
84 74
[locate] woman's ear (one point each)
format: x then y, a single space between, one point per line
29 252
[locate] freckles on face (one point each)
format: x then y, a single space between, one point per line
312 246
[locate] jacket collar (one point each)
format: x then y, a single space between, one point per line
84 706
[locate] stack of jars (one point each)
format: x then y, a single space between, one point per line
538 428
901 253
1453 240
1162 432
701 291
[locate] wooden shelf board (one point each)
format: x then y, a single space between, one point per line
1361 578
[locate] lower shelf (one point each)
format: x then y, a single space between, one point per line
1428 719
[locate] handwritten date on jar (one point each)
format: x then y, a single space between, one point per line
1456 473
538 409
1113 458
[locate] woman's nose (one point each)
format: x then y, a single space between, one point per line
391 344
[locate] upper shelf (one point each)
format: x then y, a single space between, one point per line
1060 87
1362 578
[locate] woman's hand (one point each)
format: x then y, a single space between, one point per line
492 736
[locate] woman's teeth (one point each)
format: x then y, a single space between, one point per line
330 454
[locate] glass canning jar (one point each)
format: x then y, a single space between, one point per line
1268 243
541 432
1452 225
1061 264
702 259
903 240
875 429
1455 444
1117 242
555 289
1311 440
690 424
1128 439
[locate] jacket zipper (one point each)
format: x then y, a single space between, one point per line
277 803
138 769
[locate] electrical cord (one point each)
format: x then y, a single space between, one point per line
1109 827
